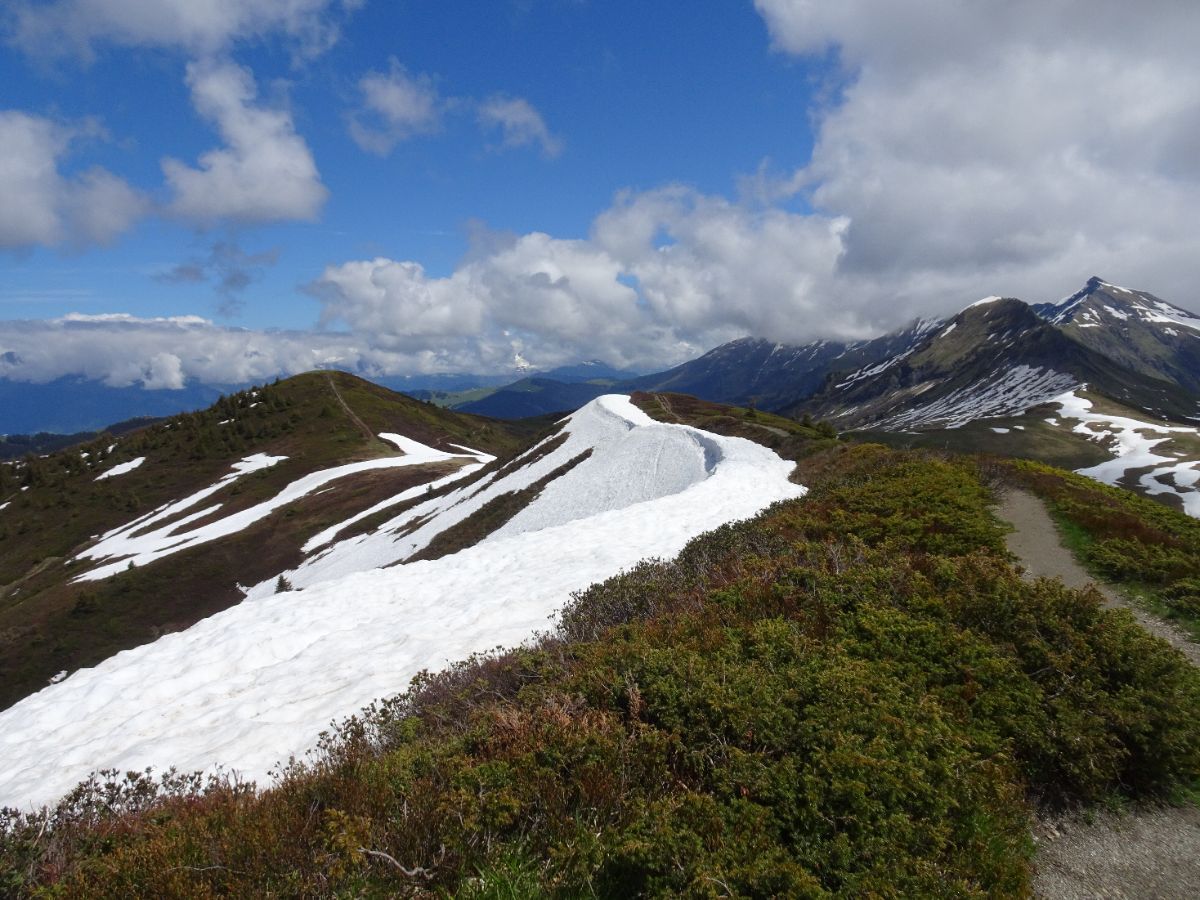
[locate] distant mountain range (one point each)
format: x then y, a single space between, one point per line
996 357
1000 357
1106 382
953 382
1129 344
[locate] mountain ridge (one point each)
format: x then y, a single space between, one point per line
993 358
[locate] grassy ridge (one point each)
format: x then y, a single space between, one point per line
56 506
852 694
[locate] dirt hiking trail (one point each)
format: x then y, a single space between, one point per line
1147 853
1036 542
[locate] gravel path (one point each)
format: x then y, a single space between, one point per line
362 426
1146 853
1037 543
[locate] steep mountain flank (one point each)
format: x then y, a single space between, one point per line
997 357
775 376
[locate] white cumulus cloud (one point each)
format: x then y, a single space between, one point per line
968 149
663 276
1003 148
162 353
266 171
395 106
41 205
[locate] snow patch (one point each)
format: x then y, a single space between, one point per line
121 469
1133 442
132 544
984 302
1007 393
631 462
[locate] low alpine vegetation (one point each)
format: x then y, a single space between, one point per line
851 694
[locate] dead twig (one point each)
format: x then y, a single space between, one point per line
415 872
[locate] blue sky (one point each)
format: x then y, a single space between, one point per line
639 96
225 190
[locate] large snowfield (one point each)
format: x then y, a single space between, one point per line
246 688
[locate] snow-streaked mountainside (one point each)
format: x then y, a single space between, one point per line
1135 329
1098 300
775 376
165 531
1000 393
996 357
112 543
1000 357
248 686
611 467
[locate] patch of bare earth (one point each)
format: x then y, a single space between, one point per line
1146 852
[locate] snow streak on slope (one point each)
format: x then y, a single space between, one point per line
1000 394
1134 447
121 468
249 686
133 543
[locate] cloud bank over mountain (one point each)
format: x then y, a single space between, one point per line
163 353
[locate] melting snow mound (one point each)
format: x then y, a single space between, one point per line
246 688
